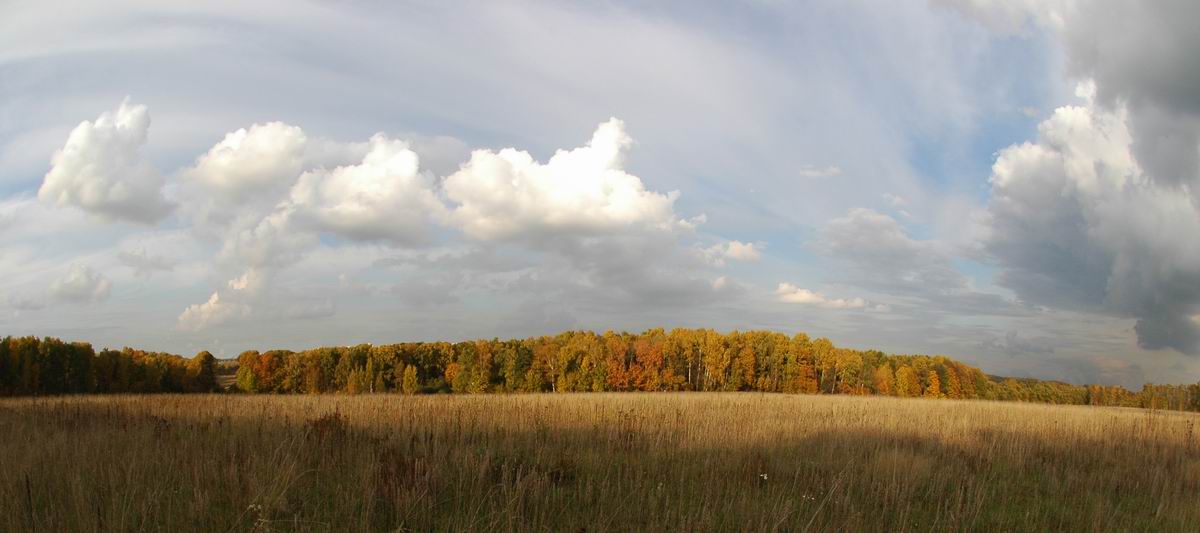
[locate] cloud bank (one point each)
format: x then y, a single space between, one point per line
269 195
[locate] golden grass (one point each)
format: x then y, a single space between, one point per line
594 462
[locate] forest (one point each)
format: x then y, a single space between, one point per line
573 361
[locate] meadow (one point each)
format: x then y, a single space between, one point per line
591 462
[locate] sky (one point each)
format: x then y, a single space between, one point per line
1015 185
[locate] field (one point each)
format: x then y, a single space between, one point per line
591 462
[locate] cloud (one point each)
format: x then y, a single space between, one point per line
274 241
590 224
265 159
233 301
1140 58
101 169
212 312
1013 344
1099 213
876 252
382 198
789 293
311 311
508 194
597 233
1116 370
733 250
81 285
144 264
251 282
25 303
809 171
385 197
1010 16
741 251
252 161
1076 223
1150 72
894 200
876 243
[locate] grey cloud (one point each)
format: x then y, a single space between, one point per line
1011 343
1095 216
1096 369
1075 223
311 310
144 264
473 259
81 285
426 292
881 256
540 317
1005 16
1142 55
875 241
25 303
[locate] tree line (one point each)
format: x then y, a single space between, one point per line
573 361
30 366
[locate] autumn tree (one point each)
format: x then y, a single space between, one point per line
455 377
954 387
883 380
747 363
648 357
202 372
247 379
410 384
849 369
715 353
907 383
934 390
826 364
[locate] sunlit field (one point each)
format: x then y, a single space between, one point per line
591 462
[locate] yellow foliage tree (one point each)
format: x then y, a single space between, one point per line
884 380
906 382
409 383
953 384
934 390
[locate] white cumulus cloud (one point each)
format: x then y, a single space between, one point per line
213 312
789 293
265 159
226 304
499 195
101 169
254 160
733 250
385 197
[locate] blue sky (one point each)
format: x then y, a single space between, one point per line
961 177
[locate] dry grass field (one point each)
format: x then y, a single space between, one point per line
591 462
